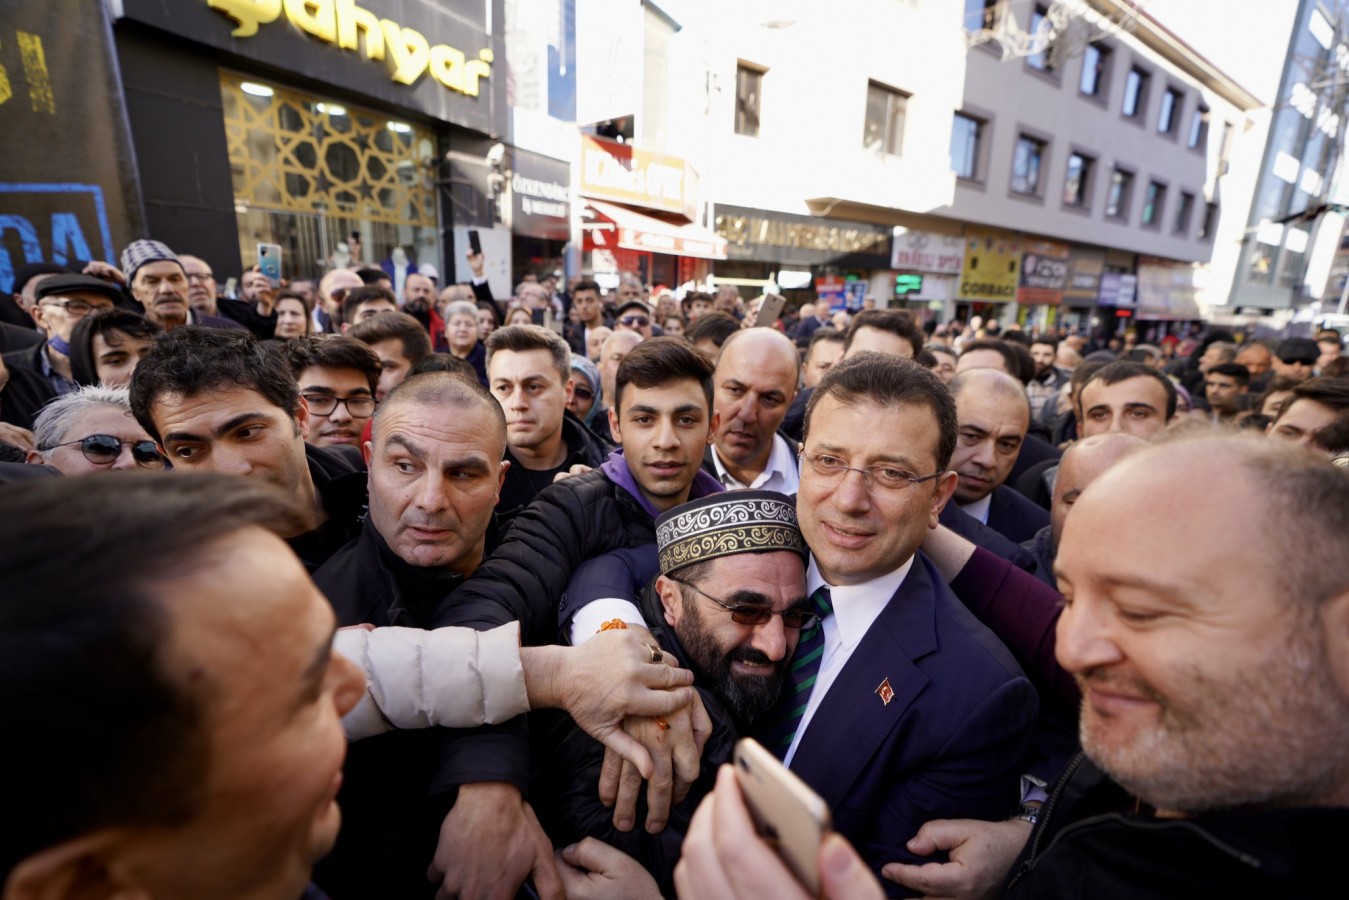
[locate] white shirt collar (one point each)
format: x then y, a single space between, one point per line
780 464
856 606
979 508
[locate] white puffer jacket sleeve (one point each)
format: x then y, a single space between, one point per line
451 677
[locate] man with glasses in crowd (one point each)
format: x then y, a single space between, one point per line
337 377
92 431
203 296
40 373
635 316
333 289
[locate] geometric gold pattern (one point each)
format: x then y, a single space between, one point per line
292 152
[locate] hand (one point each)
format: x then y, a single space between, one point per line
578 469
592 870
490 843
982 853
18 437
476 263
725 859
676 752
611 676
106 271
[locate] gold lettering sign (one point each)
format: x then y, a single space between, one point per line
745 230
407 52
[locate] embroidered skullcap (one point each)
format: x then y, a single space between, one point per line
727 523
138 253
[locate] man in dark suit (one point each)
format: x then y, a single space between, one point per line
902 708
994 414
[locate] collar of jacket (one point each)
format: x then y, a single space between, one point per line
616 467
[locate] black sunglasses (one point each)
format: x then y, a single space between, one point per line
635 321
741 614
103 450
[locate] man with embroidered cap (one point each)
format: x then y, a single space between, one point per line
727 601
157 279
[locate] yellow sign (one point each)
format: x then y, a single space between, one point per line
992 266
341 22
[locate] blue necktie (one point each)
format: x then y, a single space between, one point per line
778 735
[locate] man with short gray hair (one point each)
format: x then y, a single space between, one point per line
92 430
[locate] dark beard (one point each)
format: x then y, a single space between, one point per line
748 697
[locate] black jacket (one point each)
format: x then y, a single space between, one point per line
979 534
247 315
340 480
15 337
584 448
28 389
1090 843
1013 516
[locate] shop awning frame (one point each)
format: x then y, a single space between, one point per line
636 231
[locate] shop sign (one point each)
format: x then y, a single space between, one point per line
1166 289
992 266
926 251
632 175
540 196
1044 273
802 240
1118 289
832 290
1084 276
407 52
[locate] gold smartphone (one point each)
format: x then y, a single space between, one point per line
791 817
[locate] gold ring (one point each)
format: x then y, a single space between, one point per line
664 725
656 655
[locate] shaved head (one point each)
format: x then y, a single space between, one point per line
1084 462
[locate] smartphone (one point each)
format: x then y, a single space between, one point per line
474 243
770 310
269 262
791 817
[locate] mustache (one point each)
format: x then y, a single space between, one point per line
752 657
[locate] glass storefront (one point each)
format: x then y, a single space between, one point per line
308 172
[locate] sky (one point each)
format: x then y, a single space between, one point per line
1247 39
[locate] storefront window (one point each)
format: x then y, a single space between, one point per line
307 173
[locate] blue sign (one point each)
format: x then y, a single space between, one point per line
58 223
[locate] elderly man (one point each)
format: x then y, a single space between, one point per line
220 401
994 415
256 312
755 381
91 431
333 289
40 373
159 283
529 369
726 598
1084 462
614 350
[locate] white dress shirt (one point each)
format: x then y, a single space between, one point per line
779 474
979 508
856 607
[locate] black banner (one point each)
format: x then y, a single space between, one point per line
68 187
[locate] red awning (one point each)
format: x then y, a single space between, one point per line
632 230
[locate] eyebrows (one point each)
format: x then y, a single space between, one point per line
646 409
473 464
898 459
221 430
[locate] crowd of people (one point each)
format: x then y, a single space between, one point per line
419 594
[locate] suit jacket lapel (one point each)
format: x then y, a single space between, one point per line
854 720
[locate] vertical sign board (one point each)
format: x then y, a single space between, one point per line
1044 273
992 266
68 189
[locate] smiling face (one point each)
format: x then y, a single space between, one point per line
1180 645
857 531
663 431
319 385
435 475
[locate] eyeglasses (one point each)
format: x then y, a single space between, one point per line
103 450
794 618
77 307
635 321
889 477
359 407
200 276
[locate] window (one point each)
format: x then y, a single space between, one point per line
1078 182
980 14
1183 212
967 136
1210 221
1198 128
1135 93
1026 163
1094 63
1044 59
748 94
1153 202
884 128
1169 114
1121 188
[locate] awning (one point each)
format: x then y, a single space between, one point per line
634 231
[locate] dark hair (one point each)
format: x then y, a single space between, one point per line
83 366
1083 372
888 381
824 333
395 326
1123 370
715 327
1017 338
1336 368
288 294
370 275
356 296
1011 362
84 634
661 361
443 362
1048 339
926 359
1275 385
585 286
331 351
941 348
1025 362
693 296
899 322
1329 392
189 361
1237 371
524 338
